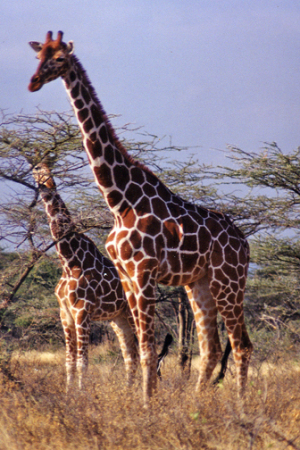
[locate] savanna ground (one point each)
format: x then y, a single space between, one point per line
36 413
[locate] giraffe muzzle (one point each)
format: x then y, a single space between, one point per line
35 83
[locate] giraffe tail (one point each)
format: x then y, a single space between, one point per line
224 361
163 353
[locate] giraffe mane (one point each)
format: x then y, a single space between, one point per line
109 126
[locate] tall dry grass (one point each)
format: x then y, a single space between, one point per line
36 413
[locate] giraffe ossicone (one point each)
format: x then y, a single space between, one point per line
157 236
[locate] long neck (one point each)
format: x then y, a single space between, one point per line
109 161
59 218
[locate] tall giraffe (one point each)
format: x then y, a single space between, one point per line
157 236
89 289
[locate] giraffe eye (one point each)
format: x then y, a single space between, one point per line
60 59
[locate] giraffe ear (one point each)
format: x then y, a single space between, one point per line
70 47
36 46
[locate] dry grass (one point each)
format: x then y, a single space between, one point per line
36 413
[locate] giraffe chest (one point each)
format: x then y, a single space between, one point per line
96 291
169 246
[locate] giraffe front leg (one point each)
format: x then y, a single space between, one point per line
139 284
127 340
83 335
128 288
148 355
205 313
71 347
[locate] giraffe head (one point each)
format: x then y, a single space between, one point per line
54 60
42 175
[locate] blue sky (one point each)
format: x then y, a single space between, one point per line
203 73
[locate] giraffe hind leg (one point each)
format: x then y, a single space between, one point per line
233 317
242 354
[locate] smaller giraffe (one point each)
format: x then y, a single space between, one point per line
89 289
